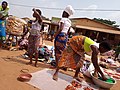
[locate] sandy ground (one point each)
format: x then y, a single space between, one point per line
11 63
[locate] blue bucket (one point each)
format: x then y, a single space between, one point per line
2 28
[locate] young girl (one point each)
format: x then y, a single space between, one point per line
34 37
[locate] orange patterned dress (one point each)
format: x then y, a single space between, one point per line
73 54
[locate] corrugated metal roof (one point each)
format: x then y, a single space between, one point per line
99 29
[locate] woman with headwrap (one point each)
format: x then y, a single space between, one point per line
3 15
61 35
34 37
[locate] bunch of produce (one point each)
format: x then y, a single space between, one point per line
15 25
75 85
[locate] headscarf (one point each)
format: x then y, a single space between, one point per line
69 9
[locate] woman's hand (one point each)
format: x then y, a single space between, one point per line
95 74
33 9
104 78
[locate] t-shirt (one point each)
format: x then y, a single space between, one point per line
87 43
67 24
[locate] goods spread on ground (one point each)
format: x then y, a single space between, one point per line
15 25
112 73
111 67
75 85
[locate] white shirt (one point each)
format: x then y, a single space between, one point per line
36 27
67 24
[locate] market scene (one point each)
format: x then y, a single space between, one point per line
61 53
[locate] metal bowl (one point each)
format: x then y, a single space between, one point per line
101 83
24 77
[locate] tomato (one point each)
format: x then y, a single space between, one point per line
88 88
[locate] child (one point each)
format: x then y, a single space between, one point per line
34 37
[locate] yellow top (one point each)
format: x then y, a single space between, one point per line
87 43
4 12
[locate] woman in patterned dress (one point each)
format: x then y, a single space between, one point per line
73 55
61 36
34 37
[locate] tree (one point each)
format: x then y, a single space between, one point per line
108 22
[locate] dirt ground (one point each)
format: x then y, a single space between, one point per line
11 64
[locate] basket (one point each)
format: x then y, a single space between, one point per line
15 25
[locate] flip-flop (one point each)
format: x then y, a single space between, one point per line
78 79
55 77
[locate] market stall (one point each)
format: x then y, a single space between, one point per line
14 30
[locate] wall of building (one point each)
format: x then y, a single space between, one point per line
87 22
99 36
117 38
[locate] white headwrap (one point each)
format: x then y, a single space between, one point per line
69 9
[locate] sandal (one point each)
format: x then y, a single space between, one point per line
55 77
78 79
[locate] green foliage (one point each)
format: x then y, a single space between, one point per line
108 22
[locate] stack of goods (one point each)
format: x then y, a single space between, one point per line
112 73
15 25
104 65
75 85
108 63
